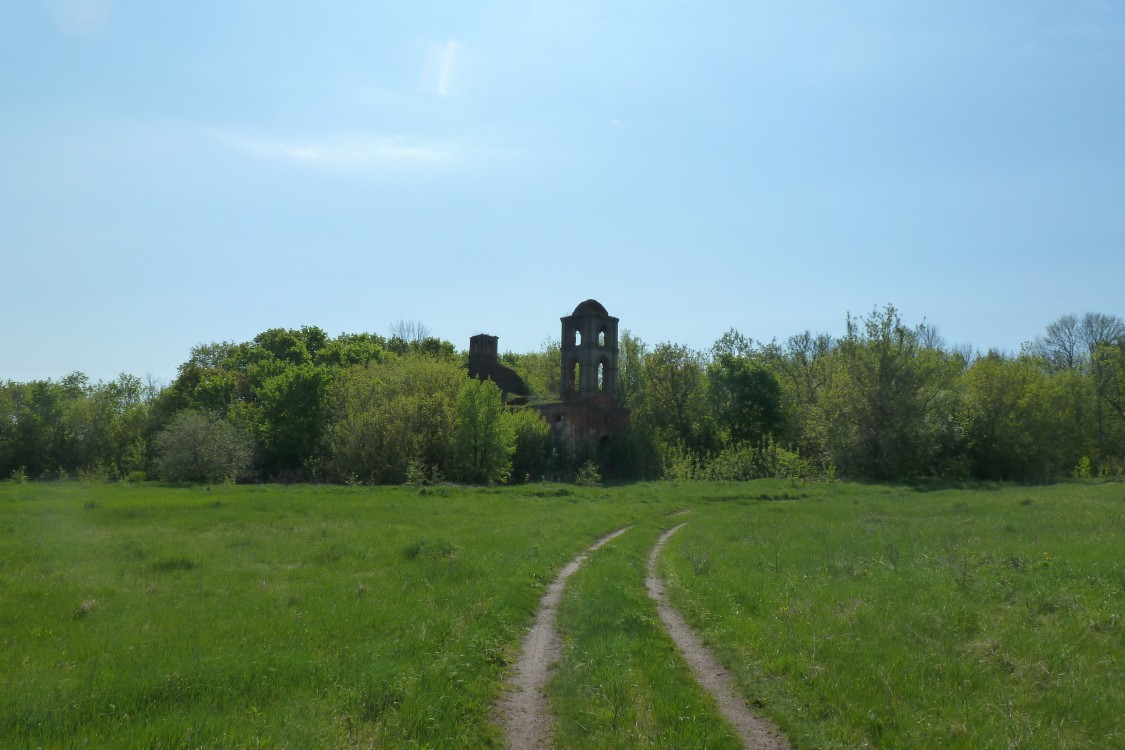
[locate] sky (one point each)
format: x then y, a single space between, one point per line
174 174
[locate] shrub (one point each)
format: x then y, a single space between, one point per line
533 455
94 474
484 438
738 462
421 474
588 475
1084 468
201 446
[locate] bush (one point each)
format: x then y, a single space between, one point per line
588 475
533 456
739 462
421 474
94 474
1084 468
382 417
484 437
201 446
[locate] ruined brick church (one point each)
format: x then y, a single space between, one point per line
587 407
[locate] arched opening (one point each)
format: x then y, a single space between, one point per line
601 338
577 337
574 376
601 376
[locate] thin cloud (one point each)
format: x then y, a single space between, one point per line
79 17
449 60
443 72
348 152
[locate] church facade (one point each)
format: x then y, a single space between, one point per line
586 410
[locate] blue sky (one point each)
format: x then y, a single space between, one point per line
179 173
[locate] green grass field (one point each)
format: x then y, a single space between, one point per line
888 617
294 617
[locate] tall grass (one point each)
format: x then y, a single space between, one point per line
891 617
238 617
150 616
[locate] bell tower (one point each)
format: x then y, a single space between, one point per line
589 354
587 420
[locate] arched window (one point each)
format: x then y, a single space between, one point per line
577 337
601 375
601 338
575 375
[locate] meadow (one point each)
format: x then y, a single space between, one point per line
874 616
151 615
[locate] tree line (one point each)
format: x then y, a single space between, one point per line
886 401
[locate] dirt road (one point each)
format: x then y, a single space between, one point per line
523 710
755 732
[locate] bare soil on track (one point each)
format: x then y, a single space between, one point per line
756 733
523 712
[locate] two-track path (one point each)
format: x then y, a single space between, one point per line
523 712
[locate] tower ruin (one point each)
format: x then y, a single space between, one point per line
589 354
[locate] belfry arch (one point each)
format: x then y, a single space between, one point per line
589 347
587 419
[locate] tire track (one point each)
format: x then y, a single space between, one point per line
756 733
523 711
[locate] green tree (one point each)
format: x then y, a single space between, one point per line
210 356
71 425
675 390
890 400
804 366
1100 333
284 345
1085 345
635 452
1004 404
275 386
411 337
38 437
291 413
533 454
116 426
734 344
314 339
631 356
9 418
542 370
484 438
745 398
348 350
1111 358
1020 420
382 417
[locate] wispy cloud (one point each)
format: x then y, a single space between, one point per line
347 152
443 73
79 17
